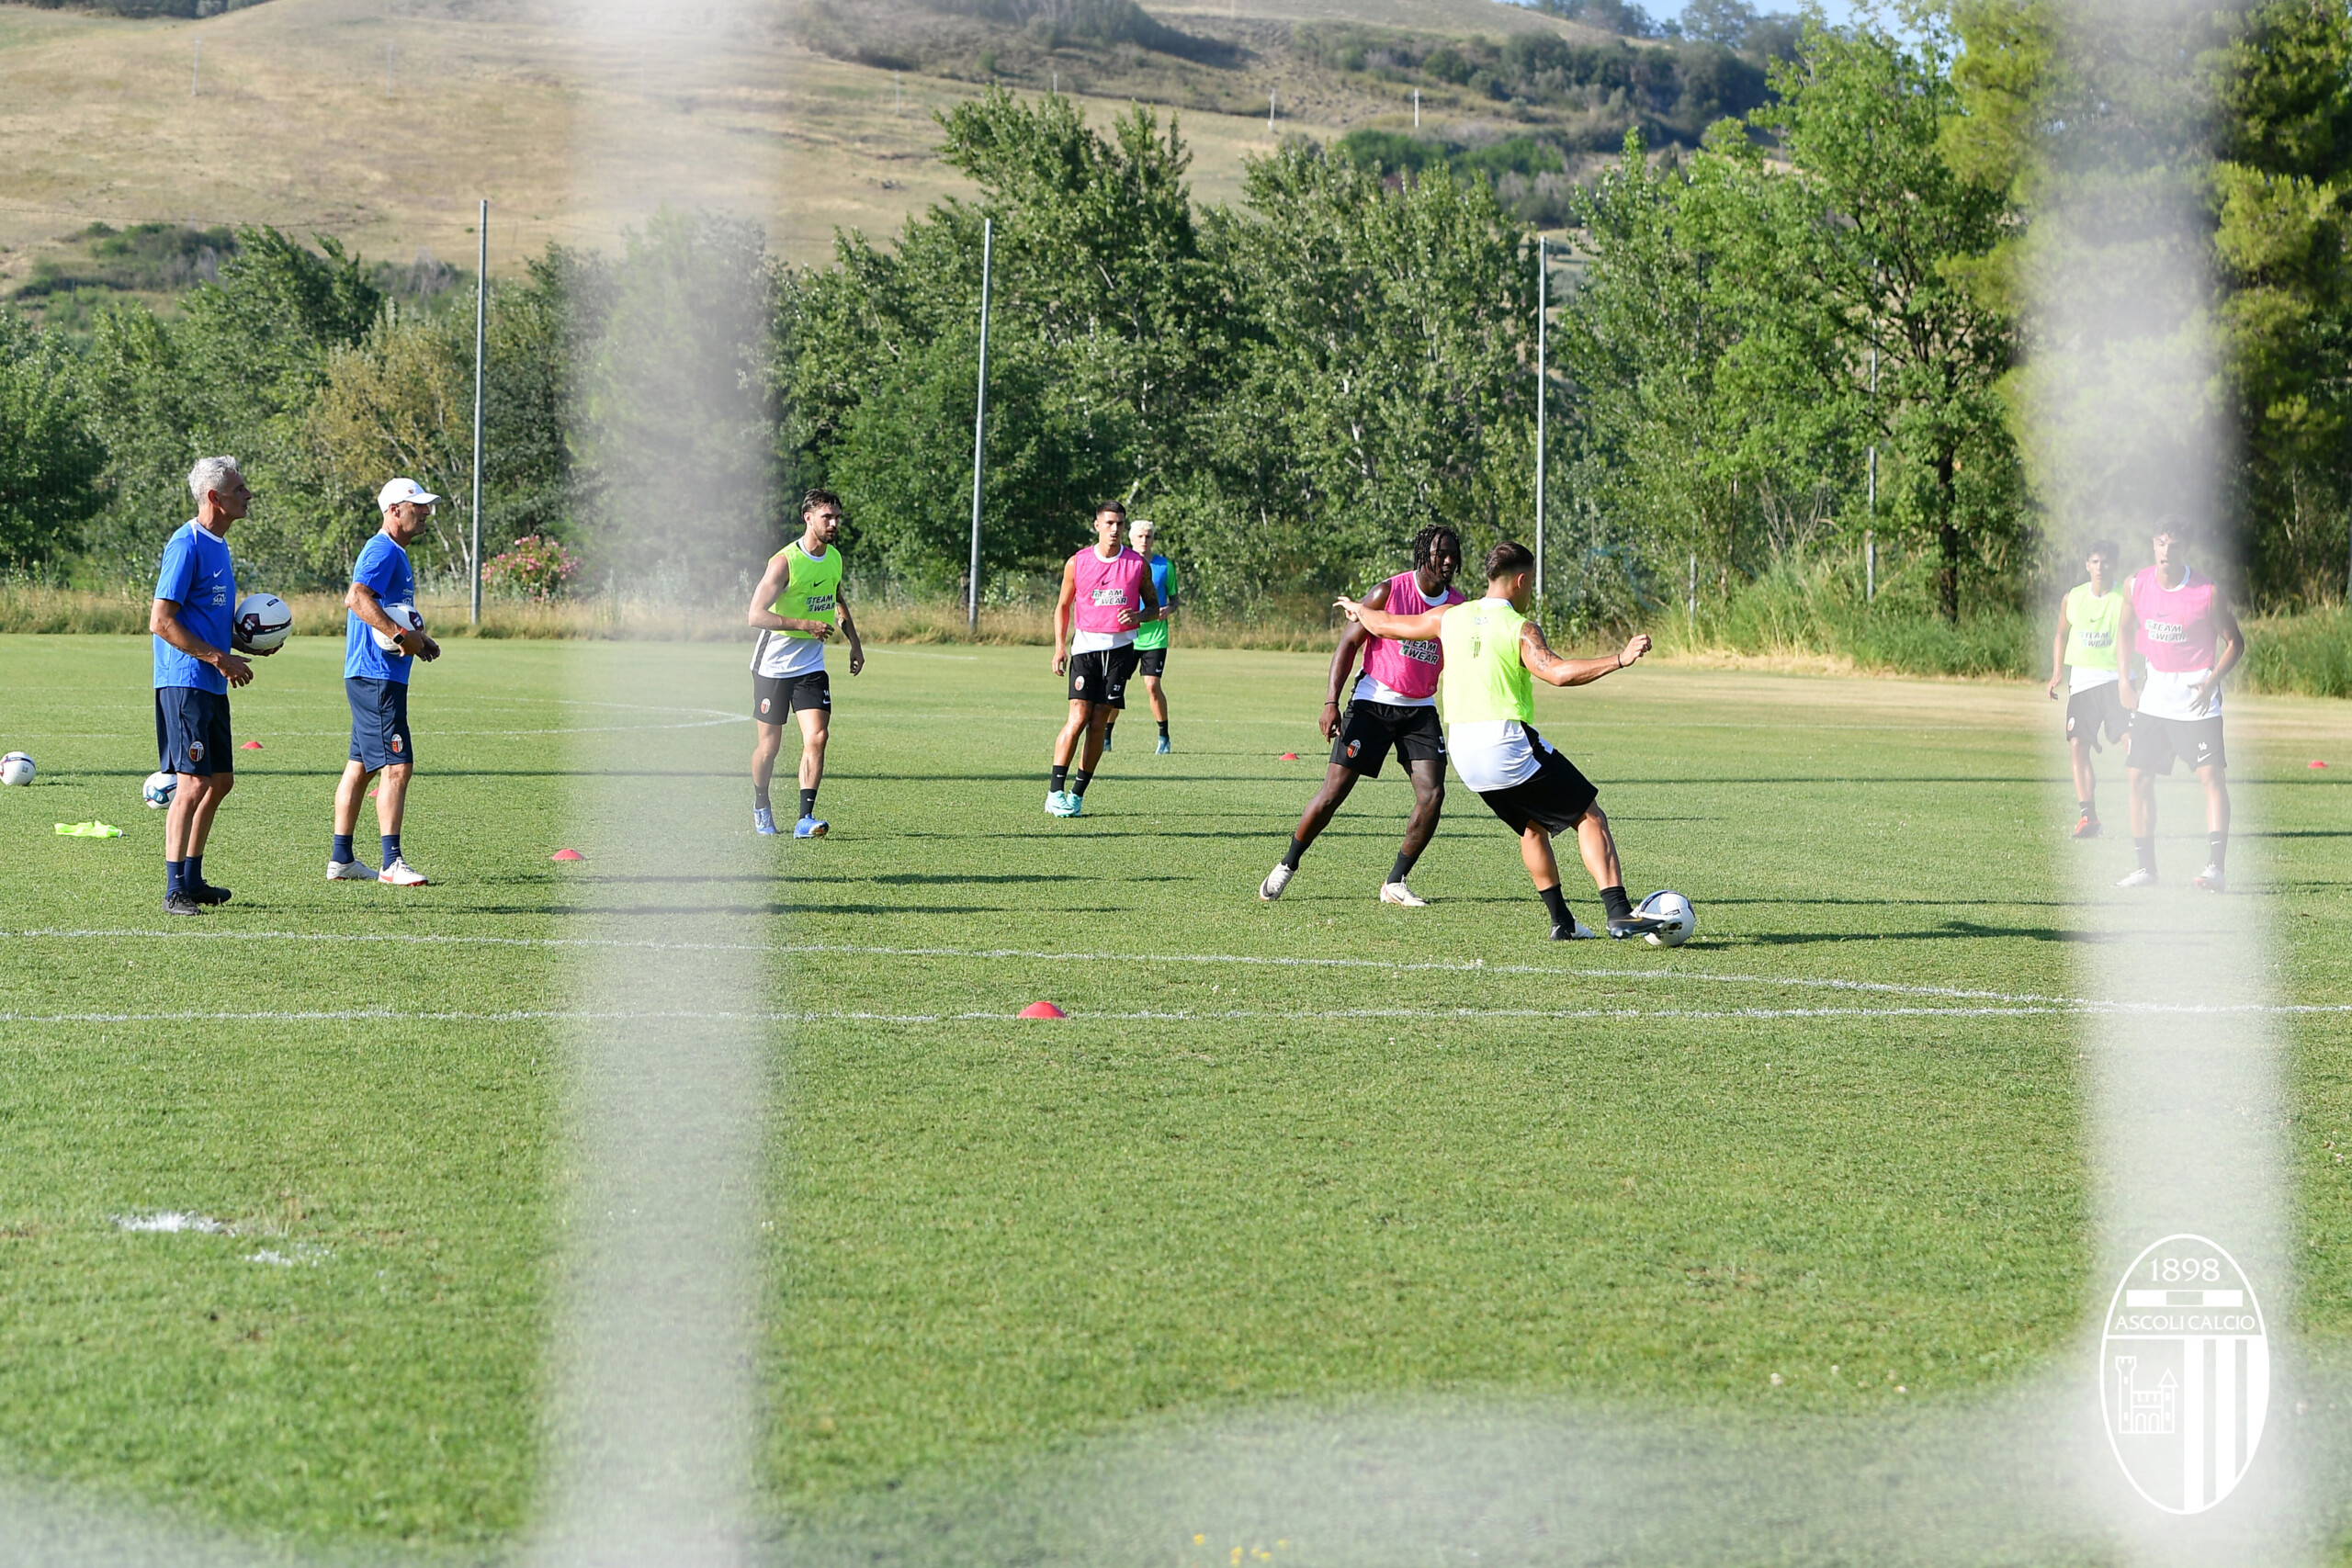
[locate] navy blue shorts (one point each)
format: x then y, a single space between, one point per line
192 732
378 722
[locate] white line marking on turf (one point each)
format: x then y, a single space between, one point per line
1454 966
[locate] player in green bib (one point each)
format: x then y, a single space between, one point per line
2083 654
1151 637
1494 654
798 606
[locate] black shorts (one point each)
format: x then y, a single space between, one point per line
2156 741
2096 710
775 697
1151 661
1102 676
1555 796
192 732
378 722
1370 729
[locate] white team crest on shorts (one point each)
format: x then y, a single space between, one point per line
195 750
1354 747
2184 1374
396 745
763 704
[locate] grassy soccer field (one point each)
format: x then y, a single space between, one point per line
1313 1151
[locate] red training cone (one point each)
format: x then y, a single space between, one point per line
1043 1009
249 746
2317 763
567 854
1288 757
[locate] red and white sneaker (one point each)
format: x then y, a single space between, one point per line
2213 880
399 874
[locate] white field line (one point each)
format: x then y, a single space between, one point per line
1455 966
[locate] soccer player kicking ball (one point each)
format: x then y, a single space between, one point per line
1107 592
2182 628
1152 637
795 607
1394 706
375 682
193 620
1491 649
2083 654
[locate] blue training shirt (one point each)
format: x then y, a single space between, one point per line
383 570
198 577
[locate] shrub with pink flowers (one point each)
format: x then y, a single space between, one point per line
534 567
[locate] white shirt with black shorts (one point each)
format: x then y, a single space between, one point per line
788 674
1380 719
1101 665
1516 772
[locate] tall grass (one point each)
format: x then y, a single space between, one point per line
1813 613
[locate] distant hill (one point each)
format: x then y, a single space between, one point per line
184 10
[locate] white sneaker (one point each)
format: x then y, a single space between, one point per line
1276 880
349 870
2213 880
1574 931
399 874
2140 876
1398 893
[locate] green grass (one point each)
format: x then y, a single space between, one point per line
996 1243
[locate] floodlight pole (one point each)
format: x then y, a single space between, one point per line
481 323
1543 302
196 72
1870 566
979 427
1417 109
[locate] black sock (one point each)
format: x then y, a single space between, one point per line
808 803
2147 848
1163 729
2218 846
1404 866
1557 903
1058 777
194 875
760 798
2088 809
343 851
1614 904
1079 781
1292 854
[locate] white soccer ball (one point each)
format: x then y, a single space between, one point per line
158 790
262 624
1681 920
15 768
402 615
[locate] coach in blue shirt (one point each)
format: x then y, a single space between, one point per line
375 679
194 620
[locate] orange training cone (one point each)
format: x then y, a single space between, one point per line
2317 763
1043 1009
1288 757
567 854
249 746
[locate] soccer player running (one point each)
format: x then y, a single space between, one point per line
375 682
1152 637
1393 706
1106 594
2083 654
2183 631
798 606
1491 650
193 620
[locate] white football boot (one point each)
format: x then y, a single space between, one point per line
2138 876
1398 893
1276 880
350 871
2214 880
1574 931
399 874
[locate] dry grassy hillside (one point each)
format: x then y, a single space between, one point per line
290 123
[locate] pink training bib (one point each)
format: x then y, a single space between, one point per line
2177 630
1408 669
1106 587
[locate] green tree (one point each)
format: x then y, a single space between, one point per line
49 460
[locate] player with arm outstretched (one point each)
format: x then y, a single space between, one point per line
798 606
1106 594
1393 706
2181 624
1493 654
2083 654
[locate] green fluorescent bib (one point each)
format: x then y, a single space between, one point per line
2092 626
812 590
1485 682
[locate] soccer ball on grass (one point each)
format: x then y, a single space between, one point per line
1681 920
262 624
15 768
158 790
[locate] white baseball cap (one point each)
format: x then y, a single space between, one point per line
398 491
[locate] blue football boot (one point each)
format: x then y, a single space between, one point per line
763 822
810 828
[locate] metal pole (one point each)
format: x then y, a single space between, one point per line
1543 302
1269 111
481 358
196 72
388 71
1694 611
1870 567
979 425
1417 109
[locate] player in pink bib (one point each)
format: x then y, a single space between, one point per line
1106 593
2180 628
1393 706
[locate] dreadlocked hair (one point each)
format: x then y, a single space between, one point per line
1425 542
